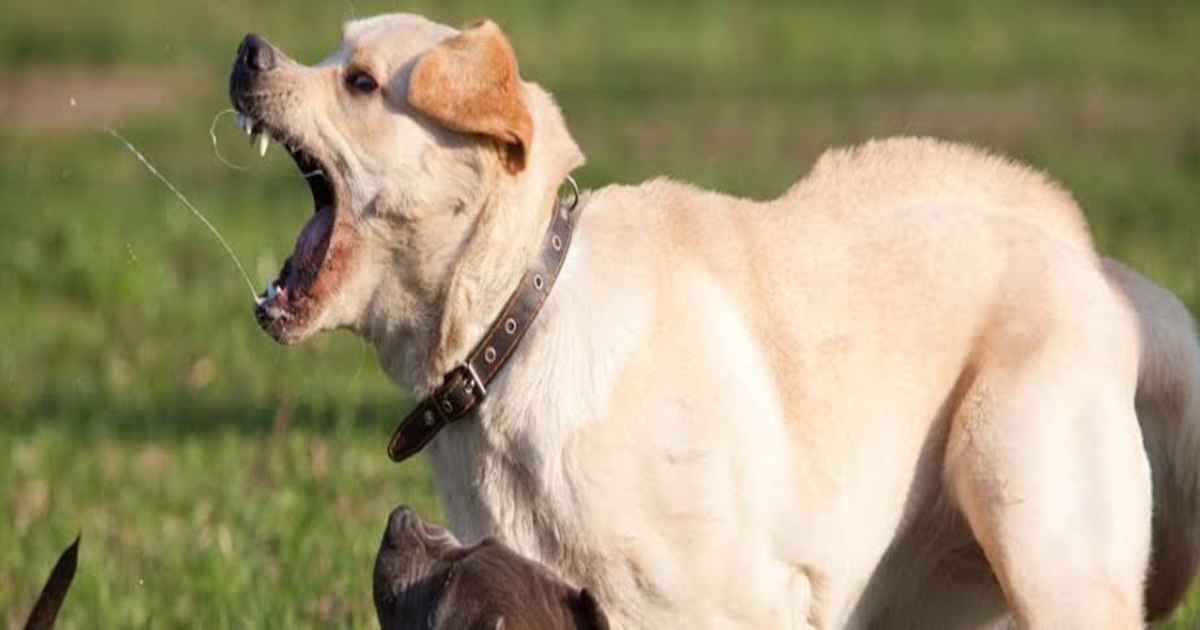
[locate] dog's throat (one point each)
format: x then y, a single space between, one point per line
465 387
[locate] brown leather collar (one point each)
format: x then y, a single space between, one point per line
465 387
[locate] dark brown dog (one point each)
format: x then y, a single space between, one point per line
425 579
45 611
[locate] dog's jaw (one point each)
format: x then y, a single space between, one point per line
275 99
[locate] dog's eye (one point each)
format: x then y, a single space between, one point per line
361 82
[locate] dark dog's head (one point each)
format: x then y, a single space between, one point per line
425 579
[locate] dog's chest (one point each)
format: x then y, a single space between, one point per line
500 488
522 494
578 513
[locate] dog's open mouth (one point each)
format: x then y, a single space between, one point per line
288 298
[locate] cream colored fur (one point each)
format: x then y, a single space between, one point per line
899 396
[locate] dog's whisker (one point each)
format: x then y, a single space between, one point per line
199 215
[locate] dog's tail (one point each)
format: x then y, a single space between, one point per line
1168 409
45 611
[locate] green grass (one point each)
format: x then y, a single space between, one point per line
220 480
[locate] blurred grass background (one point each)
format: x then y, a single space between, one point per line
220 480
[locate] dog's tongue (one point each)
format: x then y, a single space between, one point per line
313 239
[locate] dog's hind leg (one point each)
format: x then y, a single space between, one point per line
1045 461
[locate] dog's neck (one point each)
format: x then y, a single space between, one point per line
516 214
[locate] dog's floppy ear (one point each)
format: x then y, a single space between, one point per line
45 611
588 614
469 83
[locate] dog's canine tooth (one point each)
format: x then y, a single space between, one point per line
262 145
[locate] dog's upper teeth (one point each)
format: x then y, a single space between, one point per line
262 145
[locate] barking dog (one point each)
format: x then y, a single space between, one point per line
425 579
907 392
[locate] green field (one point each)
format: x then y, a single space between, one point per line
220 480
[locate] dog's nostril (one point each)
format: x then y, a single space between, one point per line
256 54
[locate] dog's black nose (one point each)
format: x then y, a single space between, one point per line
255 54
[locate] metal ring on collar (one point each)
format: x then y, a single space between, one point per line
574 194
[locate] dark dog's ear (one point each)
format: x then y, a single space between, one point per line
45 611
469 83
588 614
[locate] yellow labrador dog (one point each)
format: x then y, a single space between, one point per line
905 394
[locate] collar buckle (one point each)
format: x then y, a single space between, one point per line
470 379
460 392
